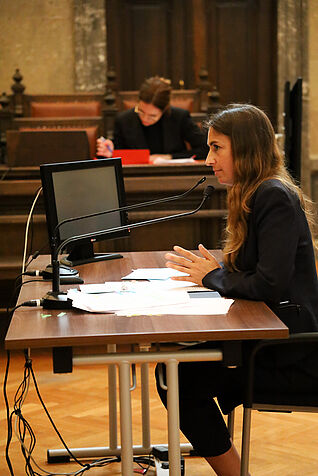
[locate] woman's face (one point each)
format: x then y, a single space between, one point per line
148 113
220 157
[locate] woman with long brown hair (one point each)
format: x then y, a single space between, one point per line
267 256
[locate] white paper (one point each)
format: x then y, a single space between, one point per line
108 287
126 300
163 161
195 307
170 284
153 273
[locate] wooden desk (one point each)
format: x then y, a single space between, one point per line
245 320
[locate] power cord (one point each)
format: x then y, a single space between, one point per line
23 429
140 460
27 227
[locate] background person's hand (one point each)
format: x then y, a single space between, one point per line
195 266
104 147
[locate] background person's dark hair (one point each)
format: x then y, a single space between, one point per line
156 91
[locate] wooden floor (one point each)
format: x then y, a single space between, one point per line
284 445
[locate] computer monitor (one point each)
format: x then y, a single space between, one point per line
74 189
293 127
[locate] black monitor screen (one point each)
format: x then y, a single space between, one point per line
74 189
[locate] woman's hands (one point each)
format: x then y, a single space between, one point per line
195 266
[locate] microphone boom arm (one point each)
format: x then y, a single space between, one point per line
57 300
130 226
129 207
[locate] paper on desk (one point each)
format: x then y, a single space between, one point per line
195 307
162 161
153 273
137 286
108 287
126 300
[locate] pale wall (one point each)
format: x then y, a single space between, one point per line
313 78
37 37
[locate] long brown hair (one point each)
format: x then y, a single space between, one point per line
256 158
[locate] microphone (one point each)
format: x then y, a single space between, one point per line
71 276
58 300
129 207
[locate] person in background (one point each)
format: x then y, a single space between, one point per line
268 256
167 131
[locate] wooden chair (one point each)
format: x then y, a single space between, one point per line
278 401
39 146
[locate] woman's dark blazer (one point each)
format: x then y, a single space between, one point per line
276 263
177 129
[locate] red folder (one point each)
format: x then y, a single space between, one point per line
132 156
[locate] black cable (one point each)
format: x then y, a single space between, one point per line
149 460
19 286
25 430
50 418
9 418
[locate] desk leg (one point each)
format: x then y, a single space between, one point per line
112 401
173 417
125 419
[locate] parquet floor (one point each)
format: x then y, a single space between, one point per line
282 445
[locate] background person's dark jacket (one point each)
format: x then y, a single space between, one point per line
177 129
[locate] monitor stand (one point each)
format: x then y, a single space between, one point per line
82 254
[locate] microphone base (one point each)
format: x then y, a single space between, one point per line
56 300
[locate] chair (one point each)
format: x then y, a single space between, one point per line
302 402
35 147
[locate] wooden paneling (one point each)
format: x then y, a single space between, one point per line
241 47
234 41
147 38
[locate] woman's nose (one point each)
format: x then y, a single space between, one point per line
210 159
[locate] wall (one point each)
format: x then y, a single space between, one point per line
37 37
59 49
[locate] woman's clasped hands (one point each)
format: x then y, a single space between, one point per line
196 267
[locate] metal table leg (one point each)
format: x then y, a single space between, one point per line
173 417
125 419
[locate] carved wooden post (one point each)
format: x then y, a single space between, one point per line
110 109
213 101
111 79
5 124
17 97
204 86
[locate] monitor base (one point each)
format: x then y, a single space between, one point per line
82 254
67 275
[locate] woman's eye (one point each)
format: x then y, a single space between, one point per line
216 147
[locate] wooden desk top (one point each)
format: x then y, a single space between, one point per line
245 319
